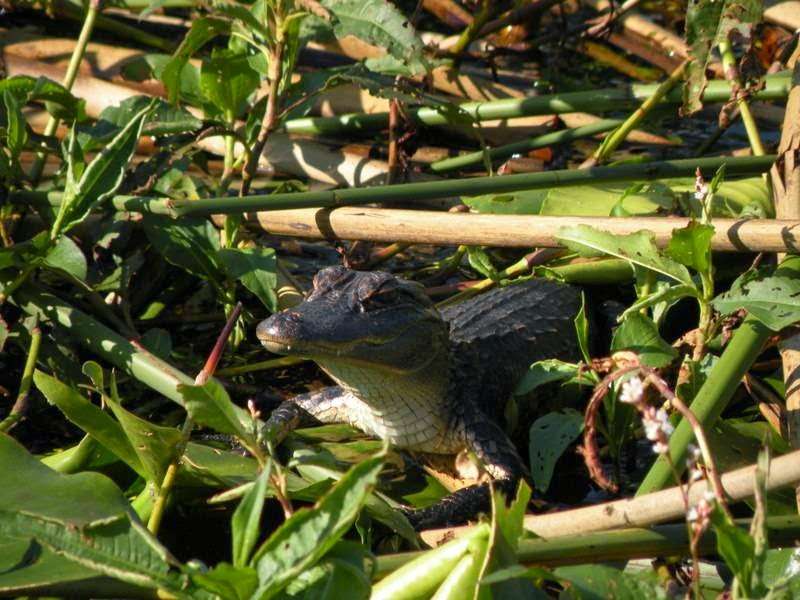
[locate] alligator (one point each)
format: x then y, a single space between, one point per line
426 380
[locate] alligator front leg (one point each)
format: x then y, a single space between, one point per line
324 406
500 459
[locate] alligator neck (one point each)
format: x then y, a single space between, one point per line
408 409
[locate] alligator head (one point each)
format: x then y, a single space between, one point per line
368 321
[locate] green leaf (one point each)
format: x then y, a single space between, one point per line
28 569
773 300
545 371
191 243
228 582
102 177
97 530
600 582
379 23
158 341
549 437
307 535
709 22
246 520
691 246
736 547
339 575
639 334
210 405
480 261
65 256
202 31
164 120
16 132
256 269
58 99
90 418
154 445
638 248
667 294
582 331
227 80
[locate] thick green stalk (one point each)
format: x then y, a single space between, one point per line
548 139
616 137
69 79
21 403
744 347
104 342
405 192
594 101
732 74
620 544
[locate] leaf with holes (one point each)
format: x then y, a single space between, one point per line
774 300
549 437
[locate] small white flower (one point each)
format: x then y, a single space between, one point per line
701 191
696 475
632 391
692 515
660 448
709 496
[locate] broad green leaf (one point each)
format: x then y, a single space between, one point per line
210 405
58 99
307 535
28 569
90 418
549 437
203 30
668 295
773 300
379 23
691 246
256 269
165 119
480 261
340 574
545 371
638 248
97 530
16 133
736 547
228 582
191 243
154 445
158 341
709 22
639 334
583 200
227 80
67 257
600 582
246 520
103 175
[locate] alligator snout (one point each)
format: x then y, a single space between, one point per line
279 331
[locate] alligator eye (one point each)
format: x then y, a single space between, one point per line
380 298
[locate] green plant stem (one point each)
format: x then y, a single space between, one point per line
472 30
405 192
595 101
620 544
554 138
21 404
165 489
273 363
72 460
616 137
732 75
69 79
74 10
743 348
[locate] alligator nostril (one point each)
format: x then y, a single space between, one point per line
292 316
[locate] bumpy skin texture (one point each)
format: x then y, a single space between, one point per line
424 380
